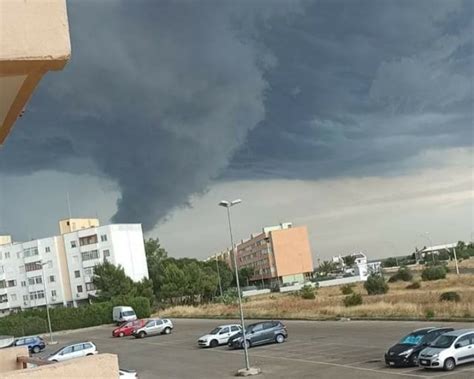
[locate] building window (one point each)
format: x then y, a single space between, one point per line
77 274
106 253
88 255
53 293
35 280
23 283
30 252
73 244
25 298
4 298
33 266
13 297
3 284
51 279
90 287
7 254
36 295
79 289
47 249
11 283
103 238
88 240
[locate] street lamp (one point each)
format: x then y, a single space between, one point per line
228 204
46 300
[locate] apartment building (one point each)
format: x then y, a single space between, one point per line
278 255
59 270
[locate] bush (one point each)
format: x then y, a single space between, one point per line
414 286
433 273
353 300
307 292
347 289
375 285
429 313
228 297
403 274
450 296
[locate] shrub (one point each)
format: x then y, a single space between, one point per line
429 313
228 297
307 292
375 285
433 273
414 286
347 289
353 300
450 296
403 274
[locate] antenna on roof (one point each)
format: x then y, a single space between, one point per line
68 204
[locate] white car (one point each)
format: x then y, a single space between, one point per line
449 350
219 335
130 374
154 326
77 350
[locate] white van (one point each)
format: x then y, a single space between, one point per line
122 314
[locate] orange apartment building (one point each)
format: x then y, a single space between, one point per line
279 254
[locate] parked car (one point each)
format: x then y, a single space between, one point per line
124 374
449 350
76 350
219 335
122 314
127 328
153 327
406 351
35 343
260 333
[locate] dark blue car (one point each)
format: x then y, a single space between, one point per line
35 344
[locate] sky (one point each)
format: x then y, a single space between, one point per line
354 118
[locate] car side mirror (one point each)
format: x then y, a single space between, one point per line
457 346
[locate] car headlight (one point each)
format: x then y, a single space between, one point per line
406 353
435 355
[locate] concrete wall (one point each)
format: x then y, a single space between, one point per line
104 366
8 359
338 282
292 251
72 224
255 292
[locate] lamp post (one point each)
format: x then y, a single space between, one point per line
47 305
228 204
219 275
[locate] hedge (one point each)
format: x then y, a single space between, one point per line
34 321
433 273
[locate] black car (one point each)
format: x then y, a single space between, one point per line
260 333
406 351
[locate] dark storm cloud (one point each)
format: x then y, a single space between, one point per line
361 87
160 96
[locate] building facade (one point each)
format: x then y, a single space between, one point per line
278 255
59 270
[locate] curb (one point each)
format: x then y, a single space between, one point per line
45 336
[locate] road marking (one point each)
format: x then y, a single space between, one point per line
456 371
329 364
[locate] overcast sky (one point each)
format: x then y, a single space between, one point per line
354 118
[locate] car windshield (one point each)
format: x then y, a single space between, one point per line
58 351
128 313
443 341
412 339
215 331
126 323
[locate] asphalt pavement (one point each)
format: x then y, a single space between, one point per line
314 349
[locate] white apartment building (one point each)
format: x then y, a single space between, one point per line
59 269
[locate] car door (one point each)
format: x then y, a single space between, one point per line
464 350
223 335
65 354
268 331
150 327
78 351
256 334
159 326
234 329
20 342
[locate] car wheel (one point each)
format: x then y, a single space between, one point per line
280 338
36 349
121 334
247 344
88 355
449 364
167 331
54 361
214 343
414 360
141 334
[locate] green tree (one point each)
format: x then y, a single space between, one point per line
245 273
349 260
325 268
111 281
156 256
375 285
389 262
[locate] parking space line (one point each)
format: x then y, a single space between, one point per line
332 364
457 370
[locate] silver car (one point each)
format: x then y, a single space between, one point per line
449 350
154 326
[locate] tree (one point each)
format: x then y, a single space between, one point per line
375 285
245 273
156 256
349 260
325 268
111 281
390 262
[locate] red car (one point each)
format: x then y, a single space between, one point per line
127 328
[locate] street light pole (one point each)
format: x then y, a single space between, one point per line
227 205
456 261
219 275
47 305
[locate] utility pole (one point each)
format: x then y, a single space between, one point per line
456 261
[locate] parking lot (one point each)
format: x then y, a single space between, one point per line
329 349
